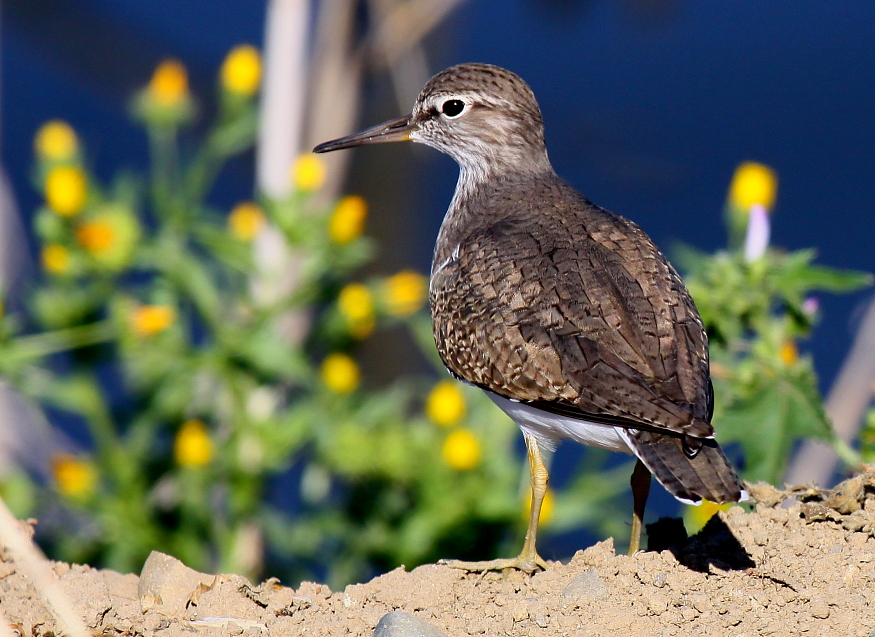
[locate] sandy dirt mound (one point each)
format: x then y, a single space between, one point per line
804 567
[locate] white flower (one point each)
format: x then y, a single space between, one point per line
757 238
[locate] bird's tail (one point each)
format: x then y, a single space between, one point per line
690 475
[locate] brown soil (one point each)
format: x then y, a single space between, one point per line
806 567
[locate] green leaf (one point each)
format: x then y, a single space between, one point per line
769 421
225 248
265 351
236 135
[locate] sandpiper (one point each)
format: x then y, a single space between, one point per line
565 314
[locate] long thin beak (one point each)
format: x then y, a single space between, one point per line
396 130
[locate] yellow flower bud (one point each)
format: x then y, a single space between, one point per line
356 304
789 353
246 220
698 515
340 373
95 236
193 446
347 222
66 189
445 405
169 84
753 184
74 477
110 234
308 173
148 320
241 70
56 141
55 258
462 450
548 506
405 292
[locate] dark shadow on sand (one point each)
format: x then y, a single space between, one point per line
714 545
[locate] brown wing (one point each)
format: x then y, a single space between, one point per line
576 311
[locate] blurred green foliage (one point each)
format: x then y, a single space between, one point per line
157 326
766 395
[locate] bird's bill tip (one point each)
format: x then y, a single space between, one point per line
396 130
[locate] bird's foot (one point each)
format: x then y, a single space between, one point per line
526 563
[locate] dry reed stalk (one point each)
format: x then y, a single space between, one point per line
33 564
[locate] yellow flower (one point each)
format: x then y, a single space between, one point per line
56 141
753 184
110 234
462 450
697 516
347 222
308 172
169 84
445 405
74 477
193 446
548 506
340 373
95 236
405 292
789 353
356 304
241 70
148 320
55 258
66 188
245 220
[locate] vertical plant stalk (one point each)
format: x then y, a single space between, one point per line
165 162
403 26
15 261
335 83
279 142
36 568
845 406
282 95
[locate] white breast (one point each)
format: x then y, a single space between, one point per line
549 428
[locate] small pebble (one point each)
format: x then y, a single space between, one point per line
819 610
658 604
520 611
587 585
401 624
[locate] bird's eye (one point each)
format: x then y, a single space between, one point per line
453 108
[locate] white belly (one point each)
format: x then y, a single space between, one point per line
549 427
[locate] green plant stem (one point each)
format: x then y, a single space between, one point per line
203 172
47 343
165 161
847 454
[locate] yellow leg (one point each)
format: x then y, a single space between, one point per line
528 560
640 490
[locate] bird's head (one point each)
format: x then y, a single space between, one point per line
483 116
